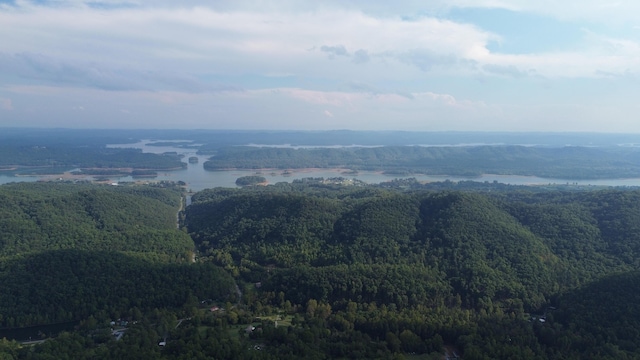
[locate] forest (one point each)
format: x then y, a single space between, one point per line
568 162
319 270
497 259
70 251
53 160
53 151
250 180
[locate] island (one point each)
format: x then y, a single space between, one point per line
251 180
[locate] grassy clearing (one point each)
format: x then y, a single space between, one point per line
283 320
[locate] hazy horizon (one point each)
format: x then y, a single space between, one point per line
484 65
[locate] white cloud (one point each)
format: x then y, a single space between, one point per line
50 70
241 64
217 41
169 48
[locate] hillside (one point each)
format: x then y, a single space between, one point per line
466 240
70 251
317 271
507 253
71 285
38 217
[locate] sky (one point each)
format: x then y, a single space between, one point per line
438 65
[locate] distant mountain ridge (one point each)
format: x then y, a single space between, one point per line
546 162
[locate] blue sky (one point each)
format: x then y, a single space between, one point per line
464 65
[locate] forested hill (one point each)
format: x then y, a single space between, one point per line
317 271
493 254
44 216
538 242
73 251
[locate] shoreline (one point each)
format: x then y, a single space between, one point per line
226 177
345 171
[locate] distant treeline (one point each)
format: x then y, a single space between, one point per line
212 140
85 157
564 163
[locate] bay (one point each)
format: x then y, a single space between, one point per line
197 178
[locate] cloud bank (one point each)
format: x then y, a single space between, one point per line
289 64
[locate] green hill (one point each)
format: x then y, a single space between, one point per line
326 271
39 217
486 258
465 240
70 251
598 320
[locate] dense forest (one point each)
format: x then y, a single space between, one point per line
498 260
70 251
318 270
38 217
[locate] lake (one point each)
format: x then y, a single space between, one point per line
197 178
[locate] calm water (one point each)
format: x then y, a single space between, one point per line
197 178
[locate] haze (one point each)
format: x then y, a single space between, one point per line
485 65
